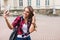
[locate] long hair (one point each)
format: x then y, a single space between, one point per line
31 14
30 11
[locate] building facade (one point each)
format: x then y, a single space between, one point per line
41 6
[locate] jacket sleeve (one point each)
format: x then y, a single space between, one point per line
15 22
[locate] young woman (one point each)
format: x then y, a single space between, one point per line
27 25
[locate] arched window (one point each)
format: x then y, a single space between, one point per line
20 3
38 3
47 2
29 2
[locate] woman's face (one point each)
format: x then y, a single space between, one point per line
26 12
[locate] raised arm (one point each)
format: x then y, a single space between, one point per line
5 14
33 24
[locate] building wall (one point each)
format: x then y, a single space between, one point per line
14 5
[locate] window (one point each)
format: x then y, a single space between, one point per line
15 3
29 2
38 3
20 3
47 2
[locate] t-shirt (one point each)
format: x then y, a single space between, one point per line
24 28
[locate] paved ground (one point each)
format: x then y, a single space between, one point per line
48 28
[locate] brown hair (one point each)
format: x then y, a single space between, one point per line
31 14
30 11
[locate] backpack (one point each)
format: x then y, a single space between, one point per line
14 33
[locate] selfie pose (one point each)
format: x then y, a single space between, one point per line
23 25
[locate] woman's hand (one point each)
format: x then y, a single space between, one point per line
5 13
33 19
34 12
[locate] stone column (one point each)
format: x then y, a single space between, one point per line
54 10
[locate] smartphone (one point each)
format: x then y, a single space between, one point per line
8 7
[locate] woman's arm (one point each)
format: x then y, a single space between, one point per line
32 27
7 21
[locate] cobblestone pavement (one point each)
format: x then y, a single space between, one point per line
48 28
